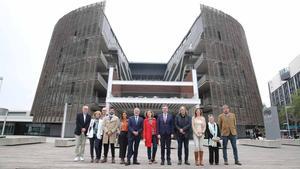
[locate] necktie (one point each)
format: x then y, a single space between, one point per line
136 119
165 117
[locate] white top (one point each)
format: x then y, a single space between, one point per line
90 132
213 129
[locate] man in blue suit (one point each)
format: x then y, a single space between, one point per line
135 129
165 129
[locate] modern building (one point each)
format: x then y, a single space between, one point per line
285 83
85 64
17 122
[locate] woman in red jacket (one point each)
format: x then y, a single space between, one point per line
150 135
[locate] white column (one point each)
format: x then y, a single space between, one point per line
109 86
195 84
64 121
4 122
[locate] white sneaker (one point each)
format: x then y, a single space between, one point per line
76 159
81 158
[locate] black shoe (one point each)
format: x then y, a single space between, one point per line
179 162
127 163
217 164
162 163
225 163
169 163
237 163
122 161
187 163
104 160
136 163
211 163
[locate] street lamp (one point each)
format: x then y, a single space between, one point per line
68 101
4 122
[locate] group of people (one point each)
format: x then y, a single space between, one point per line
104 128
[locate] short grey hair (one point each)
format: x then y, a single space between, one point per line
225 106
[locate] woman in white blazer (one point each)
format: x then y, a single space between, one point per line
95 132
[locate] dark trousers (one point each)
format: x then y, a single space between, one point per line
233 145
152 149
133 147
123 142
165 143
185 141
213 155
112 149
96 144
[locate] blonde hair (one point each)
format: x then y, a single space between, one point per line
183 107
97 112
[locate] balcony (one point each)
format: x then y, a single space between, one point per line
201 43
204 79
201 64
206 101
103 65
203 83
101 80
100 84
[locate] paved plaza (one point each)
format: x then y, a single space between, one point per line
46 156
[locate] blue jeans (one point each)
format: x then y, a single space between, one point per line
233 144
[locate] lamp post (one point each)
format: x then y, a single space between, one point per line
4 122
64 117
64 121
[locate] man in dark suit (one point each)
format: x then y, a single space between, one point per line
135 129
183 126
165 129
82 123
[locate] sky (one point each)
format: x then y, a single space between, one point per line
148 31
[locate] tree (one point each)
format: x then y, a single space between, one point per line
282 115
295 109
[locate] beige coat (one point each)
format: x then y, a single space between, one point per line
227 124
112 127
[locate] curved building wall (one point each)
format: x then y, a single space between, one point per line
81 49
217 48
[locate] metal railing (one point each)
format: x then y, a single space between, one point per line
203 80
101 80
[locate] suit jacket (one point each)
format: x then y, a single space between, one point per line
227 124
165 127
110 125
133 126
80 123
183 123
